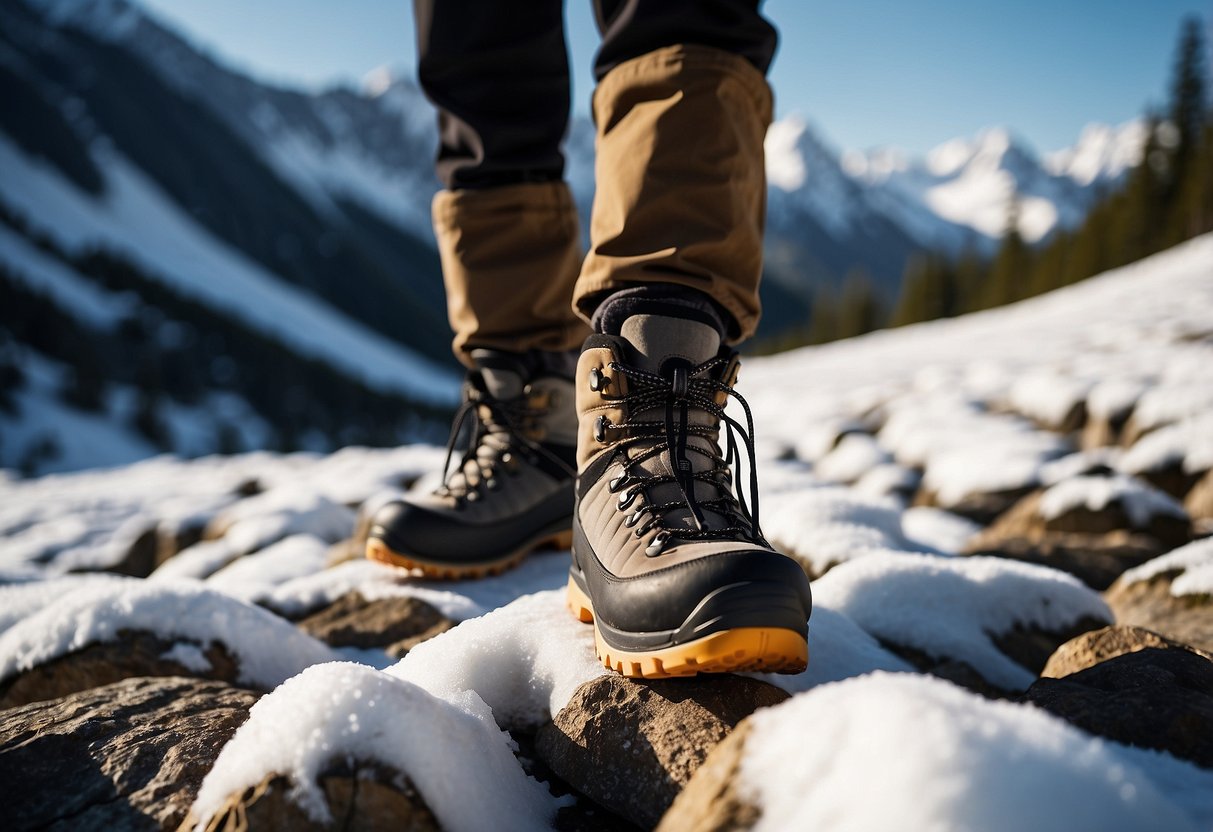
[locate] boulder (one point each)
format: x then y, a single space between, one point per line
133 654
394 624
1150 604
363 797
1091 648
130 755
1199 501
1094 544
631 745
1156 697
982 508
711 800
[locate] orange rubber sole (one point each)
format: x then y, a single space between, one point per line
379 551
743 649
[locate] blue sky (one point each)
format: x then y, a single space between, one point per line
867 72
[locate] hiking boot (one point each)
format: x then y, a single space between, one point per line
512 491
669 565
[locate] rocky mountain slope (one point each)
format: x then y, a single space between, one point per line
1007 518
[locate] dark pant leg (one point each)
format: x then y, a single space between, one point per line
498 72
631 28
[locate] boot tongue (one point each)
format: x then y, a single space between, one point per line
655 339
504 374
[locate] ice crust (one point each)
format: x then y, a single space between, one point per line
460 762
894 751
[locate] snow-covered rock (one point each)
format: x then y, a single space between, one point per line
900 752
456 758
959 608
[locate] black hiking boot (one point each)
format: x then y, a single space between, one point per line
512 491
668 564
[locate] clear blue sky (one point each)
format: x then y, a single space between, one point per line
867 72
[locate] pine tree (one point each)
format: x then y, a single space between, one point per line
1187 116
1008 278
859 310
823 320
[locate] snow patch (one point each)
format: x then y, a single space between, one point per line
1141 502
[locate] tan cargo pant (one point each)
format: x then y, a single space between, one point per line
680 197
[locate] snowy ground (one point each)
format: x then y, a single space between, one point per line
847 433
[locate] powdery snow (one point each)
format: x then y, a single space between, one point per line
955 607
1140 501
1193 562
253 577
523 660
461 764
454 599
894 751
1188 444
838 649
855 455
830 525
269 649
936 530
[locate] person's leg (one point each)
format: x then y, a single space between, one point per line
681 108
505 222
669 561
507 235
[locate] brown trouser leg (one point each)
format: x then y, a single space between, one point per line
676 124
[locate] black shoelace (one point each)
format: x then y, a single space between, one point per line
690 388
507 422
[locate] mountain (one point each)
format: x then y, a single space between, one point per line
211 238
961 192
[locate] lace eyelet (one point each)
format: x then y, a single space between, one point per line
658 545
600 428
598 381
626 499
618 482
632 519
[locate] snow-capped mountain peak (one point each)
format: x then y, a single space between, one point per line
1102 152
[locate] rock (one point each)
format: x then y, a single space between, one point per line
710 800
359 797
1094 545
1199 501
1150 604
1160 698
395 624
1028 647
982 508
130 755
1091 648
172 538
133 654
632 745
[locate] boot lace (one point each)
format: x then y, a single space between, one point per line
688 389
497 441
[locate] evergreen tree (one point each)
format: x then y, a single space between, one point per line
1008 278
1187 117
859 311
823 320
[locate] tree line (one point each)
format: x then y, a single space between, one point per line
1165 199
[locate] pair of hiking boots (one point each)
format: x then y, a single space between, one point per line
619 458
